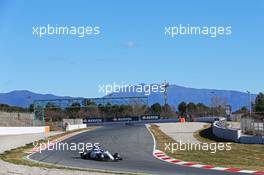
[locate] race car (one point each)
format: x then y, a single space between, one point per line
96 153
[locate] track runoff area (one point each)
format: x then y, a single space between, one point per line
129 137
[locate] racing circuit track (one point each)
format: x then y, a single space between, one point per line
134 143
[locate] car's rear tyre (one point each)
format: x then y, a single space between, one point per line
82 155
117 157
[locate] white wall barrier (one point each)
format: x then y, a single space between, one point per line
73 127
235 135
226 133
24 130
207 119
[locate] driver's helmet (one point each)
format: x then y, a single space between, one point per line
96 148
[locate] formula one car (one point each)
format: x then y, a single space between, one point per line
96 153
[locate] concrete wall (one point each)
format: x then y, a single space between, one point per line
73 127
23 130
17 115
71 122
16 119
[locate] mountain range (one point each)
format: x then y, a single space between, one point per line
23 98
176 94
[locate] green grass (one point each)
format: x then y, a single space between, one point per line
243 156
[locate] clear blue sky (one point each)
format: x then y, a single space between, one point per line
75 66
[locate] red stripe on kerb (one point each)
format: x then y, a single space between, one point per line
175 161
161 155
165 158
232 170
189 164
208 166
158 153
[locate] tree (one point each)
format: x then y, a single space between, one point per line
156 108
88 103
259 103
202 110
168 111
191 107
218 105
138 109
244 109
73 109
31 107
218 101
51 105
76 106
182 108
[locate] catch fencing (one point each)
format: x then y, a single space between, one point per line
252 126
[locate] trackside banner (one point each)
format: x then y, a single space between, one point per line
93 120
150 117
122 119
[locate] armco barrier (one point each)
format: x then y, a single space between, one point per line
251 139
73 127
24 130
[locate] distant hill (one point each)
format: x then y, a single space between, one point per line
24 98
176 94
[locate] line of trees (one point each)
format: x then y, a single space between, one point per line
256 107
259 104
7 108
193 110
90 109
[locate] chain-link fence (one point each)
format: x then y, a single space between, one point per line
253 125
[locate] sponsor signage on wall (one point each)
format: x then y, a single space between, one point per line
93 120
150 117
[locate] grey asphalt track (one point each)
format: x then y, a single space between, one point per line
134 143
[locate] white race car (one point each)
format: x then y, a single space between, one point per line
96 153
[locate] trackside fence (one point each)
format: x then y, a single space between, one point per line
252 126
